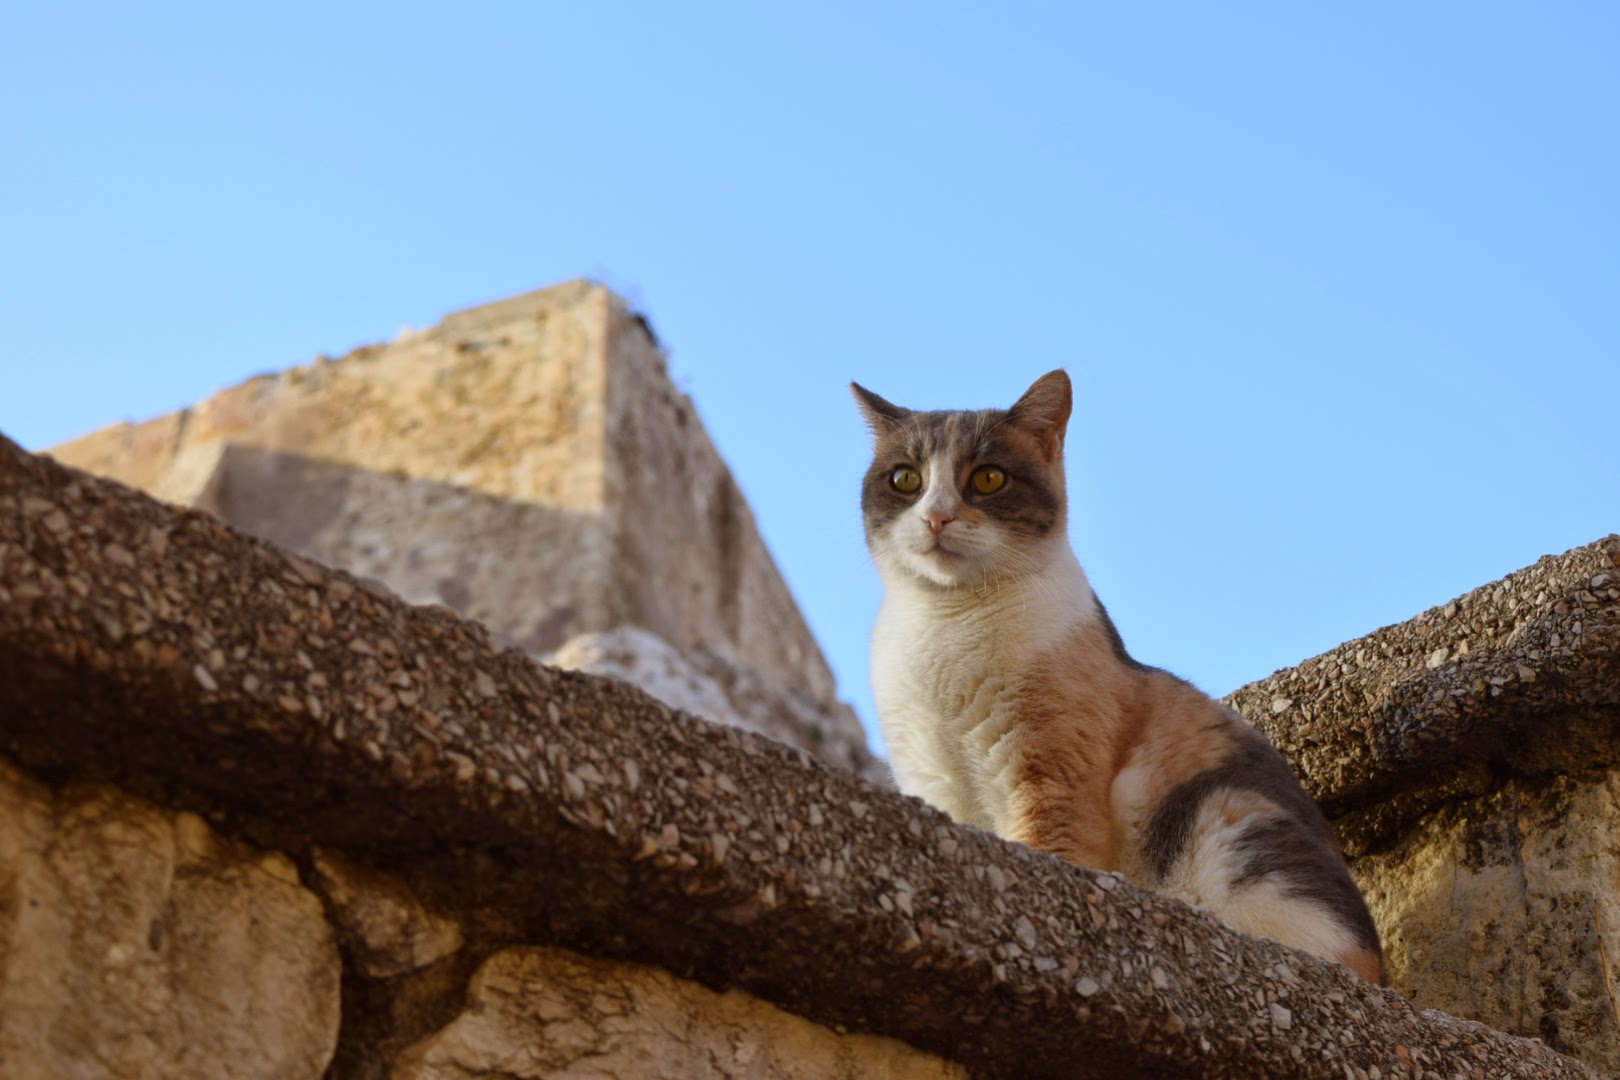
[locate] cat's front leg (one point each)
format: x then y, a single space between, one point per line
1064 818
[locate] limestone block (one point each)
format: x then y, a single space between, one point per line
540 1012
718 586
509 404
646 660
385 928
533 574
1506 909
136 943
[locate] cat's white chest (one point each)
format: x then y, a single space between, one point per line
946 676
944 700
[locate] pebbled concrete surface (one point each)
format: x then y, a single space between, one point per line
1518 678
158 650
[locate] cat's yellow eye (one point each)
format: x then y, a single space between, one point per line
988 479
906 480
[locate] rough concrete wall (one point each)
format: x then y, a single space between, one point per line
695 569
1522 674
137 943
161 651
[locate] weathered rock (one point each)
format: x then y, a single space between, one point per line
526 463
535 1012
139 943
533 573
384 927
1470 758
1519 676
1506 909
545 807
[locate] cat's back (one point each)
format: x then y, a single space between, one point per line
1206 808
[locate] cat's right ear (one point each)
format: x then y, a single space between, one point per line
1044 410
880 415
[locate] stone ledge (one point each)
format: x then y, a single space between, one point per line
1518 677
160 651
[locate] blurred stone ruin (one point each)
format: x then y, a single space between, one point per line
438 712
528 464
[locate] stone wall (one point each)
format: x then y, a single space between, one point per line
541 1012
138 942
507 400
502 849
430 542
685 535
1470 759
1504 908
529 464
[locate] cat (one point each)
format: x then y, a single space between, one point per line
1008 700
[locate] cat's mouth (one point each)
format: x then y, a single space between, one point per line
944 564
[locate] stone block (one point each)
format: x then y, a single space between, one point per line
1469 759
1506 909
534 1013
136 943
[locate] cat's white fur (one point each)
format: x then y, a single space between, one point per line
1263 908
948 644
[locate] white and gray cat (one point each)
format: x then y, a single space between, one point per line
1007 698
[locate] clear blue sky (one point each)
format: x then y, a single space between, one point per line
1339 285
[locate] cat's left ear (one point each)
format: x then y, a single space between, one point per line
1044 410
880 415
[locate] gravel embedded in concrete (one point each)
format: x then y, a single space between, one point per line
1520 677
156 649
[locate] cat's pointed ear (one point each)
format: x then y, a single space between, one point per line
1044 410
880 415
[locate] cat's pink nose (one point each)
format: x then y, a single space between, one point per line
937 520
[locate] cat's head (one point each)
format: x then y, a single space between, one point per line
962 498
